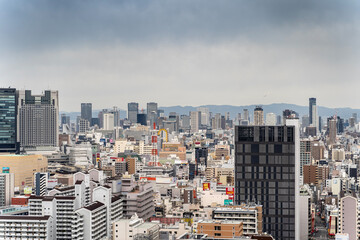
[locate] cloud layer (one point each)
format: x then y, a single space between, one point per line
183 52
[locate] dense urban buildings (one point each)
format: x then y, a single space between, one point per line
161 174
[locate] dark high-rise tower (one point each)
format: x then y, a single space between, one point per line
265 173
86 111
133 110
312 104
201 154
8 118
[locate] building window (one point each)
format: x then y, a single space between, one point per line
218 228
217 234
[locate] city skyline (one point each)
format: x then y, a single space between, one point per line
189 52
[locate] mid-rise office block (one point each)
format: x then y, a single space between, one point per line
84 125
221 229
267 171
38 117
8 120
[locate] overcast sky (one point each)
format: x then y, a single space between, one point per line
183 52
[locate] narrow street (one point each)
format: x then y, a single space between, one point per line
322 231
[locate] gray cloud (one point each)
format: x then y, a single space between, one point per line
182 52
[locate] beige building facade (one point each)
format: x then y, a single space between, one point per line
23 167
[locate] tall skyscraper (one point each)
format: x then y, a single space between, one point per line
65 119
332 131
305 121
205 115
340 125
312 102
133 110
216 121
313 113
108 121
116 113
86 111
246 115
195 120
38 117
270 119
185 122
267 172
354 115
8 119
258 116
152 112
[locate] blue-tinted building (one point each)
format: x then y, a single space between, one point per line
8 120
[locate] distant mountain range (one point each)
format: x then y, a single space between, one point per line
276 108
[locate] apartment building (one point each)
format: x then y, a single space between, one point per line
27 227
95 220
137 198
251 216
60 208
6 188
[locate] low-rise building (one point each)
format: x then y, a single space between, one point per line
221 229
